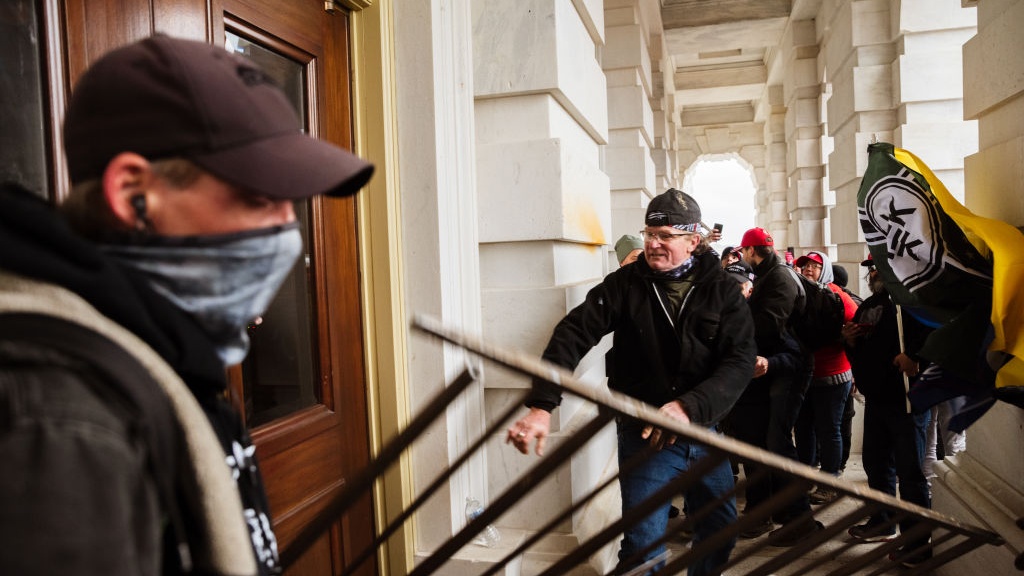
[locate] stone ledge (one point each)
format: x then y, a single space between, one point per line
967 491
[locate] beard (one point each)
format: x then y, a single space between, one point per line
877 285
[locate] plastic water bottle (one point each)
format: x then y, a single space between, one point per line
490 536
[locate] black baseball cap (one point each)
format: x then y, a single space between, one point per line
166 97
674 208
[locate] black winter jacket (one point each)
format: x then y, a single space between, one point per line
703 358
871 354
772 302
42 260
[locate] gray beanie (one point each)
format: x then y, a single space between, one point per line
627 244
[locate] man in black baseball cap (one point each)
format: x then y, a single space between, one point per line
166 98
120 313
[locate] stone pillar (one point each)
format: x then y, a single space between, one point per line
434 111
666 120
808 200
858 54
772 207
929 88
541 117
982 485
628 68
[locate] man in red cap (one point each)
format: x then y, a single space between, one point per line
772 302
684 344
120 313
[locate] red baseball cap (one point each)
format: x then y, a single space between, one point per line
757 237
165 97
808 257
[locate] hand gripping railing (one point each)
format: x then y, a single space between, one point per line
950 538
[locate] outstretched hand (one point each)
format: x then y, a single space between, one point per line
535 425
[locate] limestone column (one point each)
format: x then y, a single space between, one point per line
434 152
772 205
982 485
807 199
929 88
628 67
541 118
666 119
858 53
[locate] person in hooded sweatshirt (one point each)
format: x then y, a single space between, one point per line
121 310
818 431
684 343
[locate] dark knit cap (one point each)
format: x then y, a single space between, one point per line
840 277
740 271
674 208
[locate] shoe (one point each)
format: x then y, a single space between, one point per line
757 530
873 532
684 527
910 560
794 536
823 495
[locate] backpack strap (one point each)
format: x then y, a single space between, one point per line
131 382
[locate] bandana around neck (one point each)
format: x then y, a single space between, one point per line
674 274
222 282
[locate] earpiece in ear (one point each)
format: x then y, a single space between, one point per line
139 205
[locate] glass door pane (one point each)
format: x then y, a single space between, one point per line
23 157
279 375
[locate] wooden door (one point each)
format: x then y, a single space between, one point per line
303 384
302 389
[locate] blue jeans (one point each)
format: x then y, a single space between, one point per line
894 446
660 469
818 428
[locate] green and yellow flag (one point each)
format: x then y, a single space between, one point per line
953 270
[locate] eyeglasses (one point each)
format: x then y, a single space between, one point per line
662 237
812 265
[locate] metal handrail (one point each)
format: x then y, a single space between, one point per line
950 537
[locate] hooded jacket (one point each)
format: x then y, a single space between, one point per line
703 357
45 268
830 363
772 302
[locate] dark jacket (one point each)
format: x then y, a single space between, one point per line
704 360
772 302
46 268
787 361
871 355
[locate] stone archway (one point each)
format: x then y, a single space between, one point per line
725 185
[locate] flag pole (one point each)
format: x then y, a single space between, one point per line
903 349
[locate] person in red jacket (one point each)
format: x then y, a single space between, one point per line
818 435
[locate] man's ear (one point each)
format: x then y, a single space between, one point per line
127 177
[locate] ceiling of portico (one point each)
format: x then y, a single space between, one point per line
721 51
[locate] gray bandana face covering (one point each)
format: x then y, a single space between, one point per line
223 282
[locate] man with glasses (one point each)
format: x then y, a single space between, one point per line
683 343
